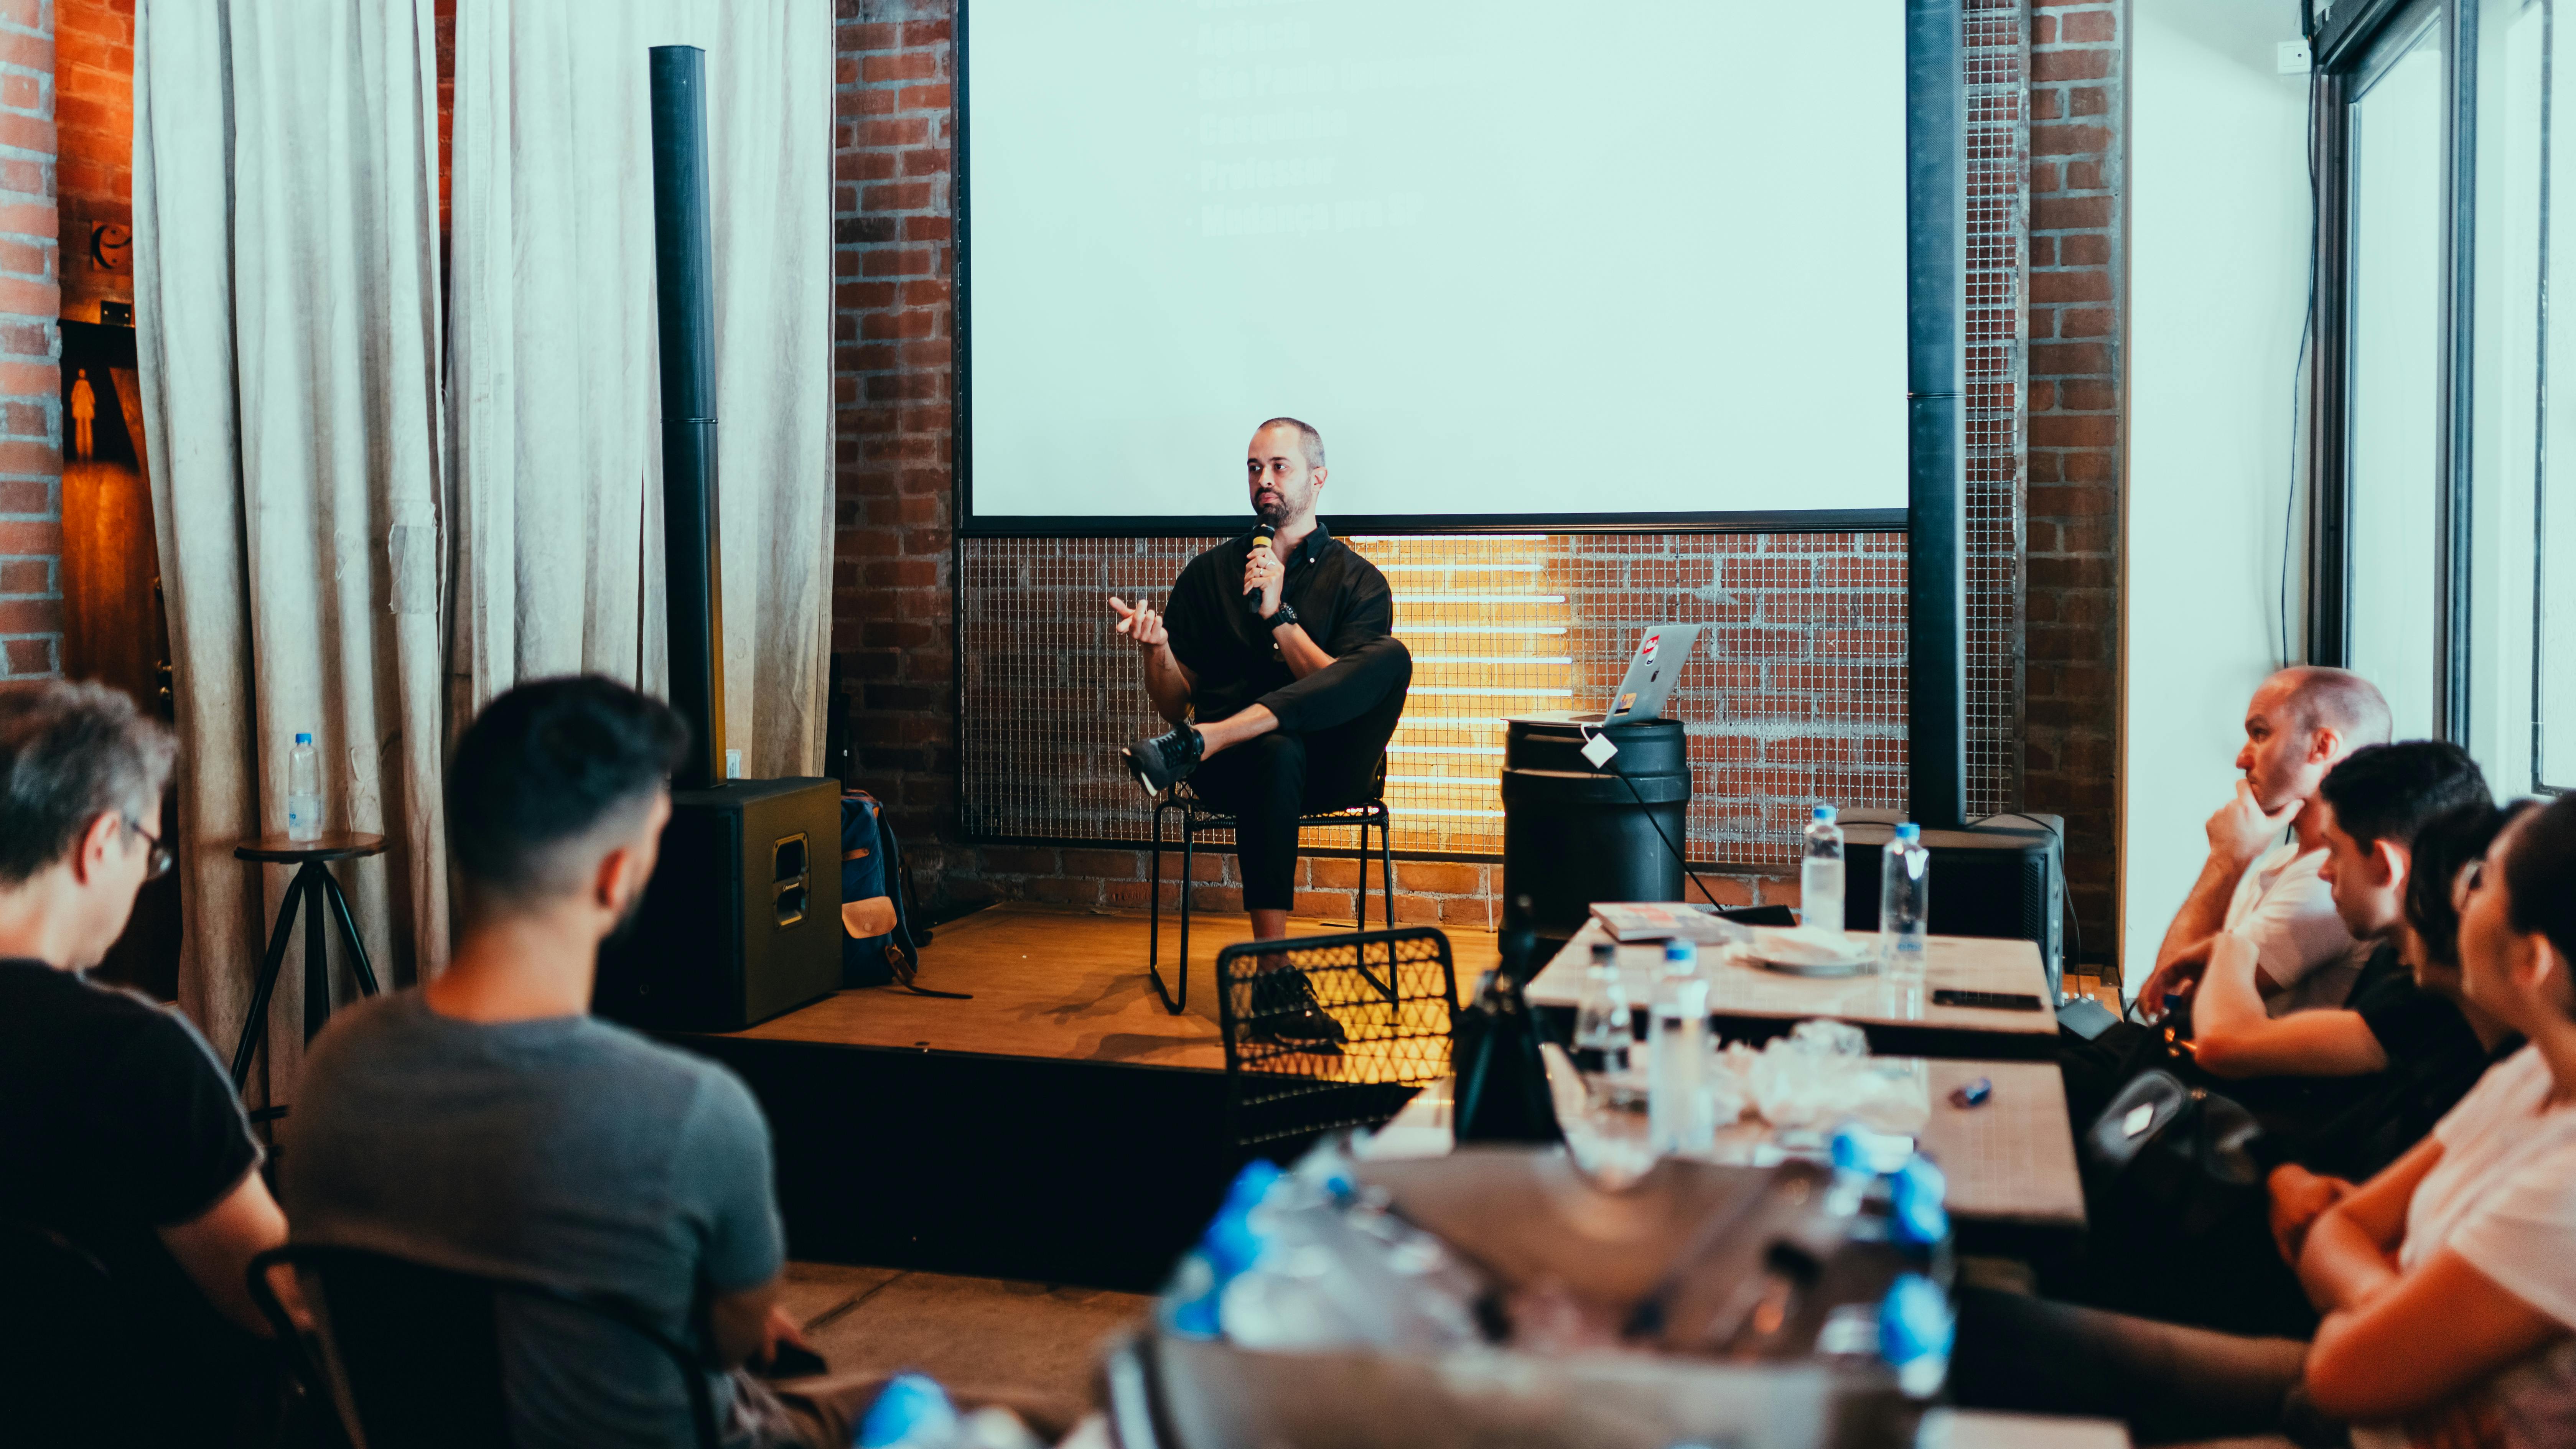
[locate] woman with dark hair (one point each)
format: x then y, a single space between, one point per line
2447 1282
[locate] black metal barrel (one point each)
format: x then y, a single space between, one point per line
1574 834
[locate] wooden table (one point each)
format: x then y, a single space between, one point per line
1752 1003
2010 1163
1984 1429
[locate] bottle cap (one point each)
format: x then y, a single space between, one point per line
304 739
1825 813
1680 949
1909 831
1915 1331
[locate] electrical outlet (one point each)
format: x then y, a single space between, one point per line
2293 58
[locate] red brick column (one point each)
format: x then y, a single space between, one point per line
2072 698
31 464
892 611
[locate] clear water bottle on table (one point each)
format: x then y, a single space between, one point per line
1904 904
1820 873
1604 1031
1677 1056
303 791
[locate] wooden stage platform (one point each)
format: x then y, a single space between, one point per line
1058 1127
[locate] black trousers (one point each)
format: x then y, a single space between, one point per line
2165 1381
1333 729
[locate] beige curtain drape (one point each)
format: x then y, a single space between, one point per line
554 390
286 291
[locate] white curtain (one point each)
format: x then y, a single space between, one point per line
285 221
554 389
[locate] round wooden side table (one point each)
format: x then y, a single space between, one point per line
316 892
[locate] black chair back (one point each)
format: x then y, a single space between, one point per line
412 1356
58 1322
1395 996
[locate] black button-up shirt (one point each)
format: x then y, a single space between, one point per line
1341 600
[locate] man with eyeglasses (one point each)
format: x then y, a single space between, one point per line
120 1138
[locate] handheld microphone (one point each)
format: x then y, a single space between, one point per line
1252 597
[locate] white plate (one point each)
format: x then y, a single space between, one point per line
1807 952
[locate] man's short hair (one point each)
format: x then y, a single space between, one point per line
2340 700
545 767
2446 844
70 753
1309 442
2540 875
2388 792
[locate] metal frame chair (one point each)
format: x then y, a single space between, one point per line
410 1356
1394 994
1197 818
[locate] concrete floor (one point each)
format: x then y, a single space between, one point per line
986 1335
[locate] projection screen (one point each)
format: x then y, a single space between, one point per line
1522 264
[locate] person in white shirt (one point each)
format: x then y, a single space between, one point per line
2261 885
2447 1282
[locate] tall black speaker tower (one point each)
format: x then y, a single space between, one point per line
742 918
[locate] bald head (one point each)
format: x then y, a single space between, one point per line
2316 698
2300 723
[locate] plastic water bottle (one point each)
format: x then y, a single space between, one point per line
303 791
1604 1031
1820 873
1677 1056
1904 904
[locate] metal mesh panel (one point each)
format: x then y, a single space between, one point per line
1994 49
1796 693
1391 994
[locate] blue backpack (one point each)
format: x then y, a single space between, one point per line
878 942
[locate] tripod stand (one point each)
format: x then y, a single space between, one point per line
316 893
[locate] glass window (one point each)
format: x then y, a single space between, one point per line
2395 355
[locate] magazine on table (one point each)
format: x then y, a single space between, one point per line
1629 922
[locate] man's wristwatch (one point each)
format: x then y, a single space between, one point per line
1285 615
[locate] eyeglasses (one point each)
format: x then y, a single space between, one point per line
158 863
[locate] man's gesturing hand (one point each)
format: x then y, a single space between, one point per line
1140 624
2241 830
1263 571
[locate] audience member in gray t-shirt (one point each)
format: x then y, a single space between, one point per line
564 1150
485 1123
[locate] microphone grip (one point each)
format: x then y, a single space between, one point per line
1252 597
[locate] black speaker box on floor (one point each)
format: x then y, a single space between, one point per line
2003 877
742 919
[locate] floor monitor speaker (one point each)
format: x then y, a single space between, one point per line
742 920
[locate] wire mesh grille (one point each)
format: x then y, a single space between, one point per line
1795 694
1391 996
1994 50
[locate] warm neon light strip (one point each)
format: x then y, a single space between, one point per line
1505 693
1444 749
1483 599
1551 629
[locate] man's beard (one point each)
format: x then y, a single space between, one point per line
1274 512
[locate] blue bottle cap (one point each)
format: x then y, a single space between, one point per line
1915 1330
1917 1197
1909 831
303 739
1825 813
1680 949
911 1408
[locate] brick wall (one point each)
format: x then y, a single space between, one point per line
94 70
2072 682
31 530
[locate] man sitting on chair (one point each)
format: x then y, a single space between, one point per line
1278 670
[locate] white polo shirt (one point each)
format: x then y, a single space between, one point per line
2283 908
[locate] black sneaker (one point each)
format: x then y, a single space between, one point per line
1166 759
1285 1010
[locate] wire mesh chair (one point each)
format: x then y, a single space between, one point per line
1393 993
412 1356
1198 818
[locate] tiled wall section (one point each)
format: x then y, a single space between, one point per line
31 464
